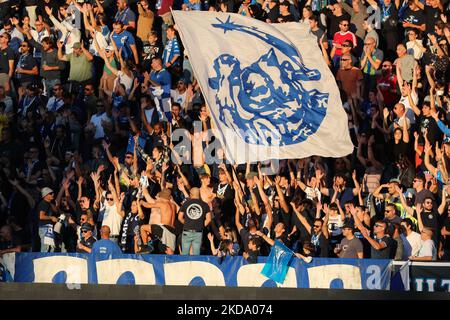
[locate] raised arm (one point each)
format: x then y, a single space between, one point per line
301 218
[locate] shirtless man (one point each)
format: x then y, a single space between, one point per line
162 220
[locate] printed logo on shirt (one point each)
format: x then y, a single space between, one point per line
194 211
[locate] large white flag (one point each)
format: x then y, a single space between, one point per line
268 89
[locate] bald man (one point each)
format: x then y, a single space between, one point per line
104 245
194 214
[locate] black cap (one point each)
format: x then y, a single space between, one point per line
349 225
86 226
285 3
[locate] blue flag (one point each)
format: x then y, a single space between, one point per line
276 266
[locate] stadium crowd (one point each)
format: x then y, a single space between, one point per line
92 92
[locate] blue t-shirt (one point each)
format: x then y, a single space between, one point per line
171 50
162 78
105 246
124 40
125 16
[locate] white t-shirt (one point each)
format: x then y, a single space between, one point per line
177 97
96 120
334 225
125 80
412 47
112 219
313 193
408 108
427 249
411 244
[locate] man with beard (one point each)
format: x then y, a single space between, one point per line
318 232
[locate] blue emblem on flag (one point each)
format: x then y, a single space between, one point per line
277 263
266 102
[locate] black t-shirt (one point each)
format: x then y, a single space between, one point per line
287 18
273 14
89 242
195 211
150 51
432 15
5 56
14 242
226 194
398 149
414 17
26 62
430 220
253 256
320 244
383 253
434 132
334 21
47 208
246 236
309 216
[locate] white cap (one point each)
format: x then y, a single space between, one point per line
46 191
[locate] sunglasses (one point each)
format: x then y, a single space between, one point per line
346 45
24 46
109 199
315 226
345 59
85 231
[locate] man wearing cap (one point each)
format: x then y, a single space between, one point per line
285 14
47 218
162 221
195 215
87 239
350 247
80 61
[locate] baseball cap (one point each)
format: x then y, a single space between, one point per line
446 140
395 180
109 48
349 225
86 226
46 191
76 45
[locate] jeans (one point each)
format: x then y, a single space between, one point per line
42 232
49 84
191 238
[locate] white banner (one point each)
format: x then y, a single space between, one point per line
268 89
